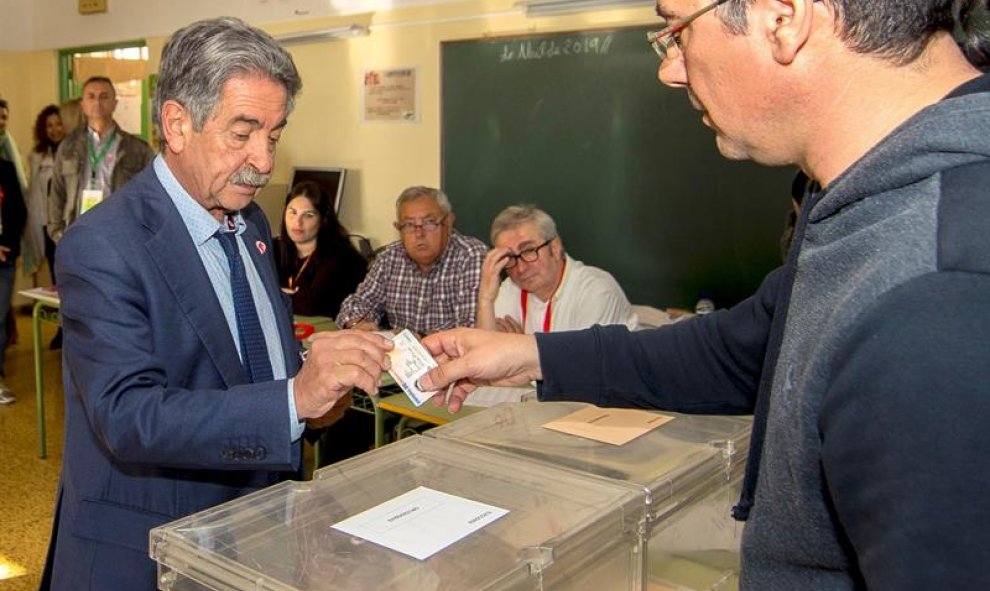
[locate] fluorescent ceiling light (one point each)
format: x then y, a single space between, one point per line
333 33
551 7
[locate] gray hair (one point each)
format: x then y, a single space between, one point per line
415 192
517 215
199 59
893 30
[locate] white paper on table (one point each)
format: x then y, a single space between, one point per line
420 522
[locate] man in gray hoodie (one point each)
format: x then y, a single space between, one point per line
866 357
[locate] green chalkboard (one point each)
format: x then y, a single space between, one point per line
578 124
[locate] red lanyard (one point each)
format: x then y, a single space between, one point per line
294 281
524 302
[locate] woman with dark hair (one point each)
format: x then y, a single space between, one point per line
48 132
317 264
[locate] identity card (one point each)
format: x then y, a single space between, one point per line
411 361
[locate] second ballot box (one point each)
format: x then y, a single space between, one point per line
689 470
560 530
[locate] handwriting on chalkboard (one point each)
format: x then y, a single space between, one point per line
528 49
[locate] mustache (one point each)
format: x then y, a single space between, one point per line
250 177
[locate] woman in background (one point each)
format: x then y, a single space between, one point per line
72 115
317 264
48 132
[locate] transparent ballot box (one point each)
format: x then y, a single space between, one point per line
688 469
561 531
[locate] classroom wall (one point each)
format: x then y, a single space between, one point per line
326 128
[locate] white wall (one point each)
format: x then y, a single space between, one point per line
51 24
326 128
17 18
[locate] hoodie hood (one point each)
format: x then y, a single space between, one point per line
952 132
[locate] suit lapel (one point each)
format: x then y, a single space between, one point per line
172 250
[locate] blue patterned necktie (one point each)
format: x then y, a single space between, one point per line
254 350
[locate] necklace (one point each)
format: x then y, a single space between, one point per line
294 280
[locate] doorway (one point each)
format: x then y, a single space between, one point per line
127 65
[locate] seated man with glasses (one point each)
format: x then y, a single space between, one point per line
427 281
546 290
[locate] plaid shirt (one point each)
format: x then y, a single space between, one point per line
396 294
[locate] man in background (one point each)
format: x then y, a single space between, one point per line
94 160
13 213
427 281
8 148
866 357
545 289
184 386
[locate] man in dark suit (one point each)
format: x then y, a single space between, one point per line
183 382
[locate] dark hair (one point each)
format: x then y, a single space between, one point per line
332 236
973 32
3 104
41 142
895 30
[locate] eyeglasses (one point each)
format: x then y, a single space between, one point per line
427 225
670 36
530 255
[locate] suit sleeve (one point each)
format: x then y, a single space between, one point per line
708 364
147 385
904 436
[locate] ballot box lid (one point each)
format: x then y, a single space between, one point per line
682 459
559 527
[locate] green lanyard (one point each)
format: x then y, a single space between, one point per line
96 159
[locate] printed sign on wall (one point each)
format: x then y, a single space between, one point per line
390 95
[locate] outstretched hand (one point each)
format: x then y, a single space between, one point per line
469 358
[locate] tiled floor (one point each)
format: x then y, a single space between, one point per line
27 483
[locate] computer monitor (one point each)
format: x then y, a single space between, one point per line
330 178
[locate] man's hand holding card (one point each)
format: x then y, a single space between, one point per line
410 362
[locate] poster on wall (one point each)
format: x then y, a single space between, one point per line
390 96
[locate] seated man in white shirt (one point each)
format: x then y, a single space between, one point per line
546 290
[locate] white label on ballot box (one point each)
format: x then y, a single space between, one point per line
420 522
411 361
